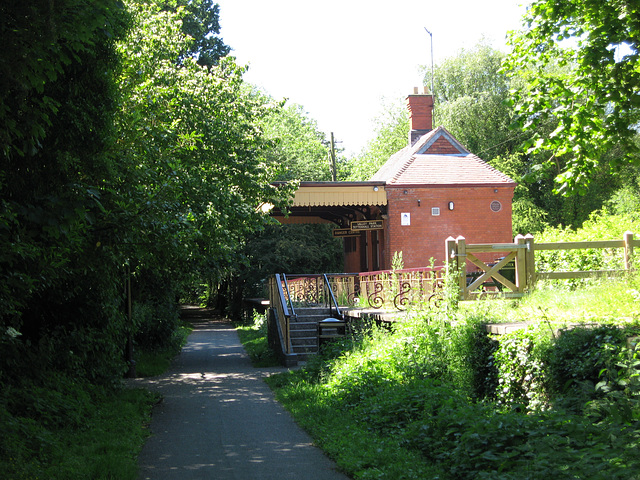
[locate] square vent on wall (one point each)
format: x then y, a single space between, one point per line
435 211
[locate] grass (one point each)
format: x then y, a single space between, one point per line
150 363
597 300
254 340
57 427
99 437
108 445
417 403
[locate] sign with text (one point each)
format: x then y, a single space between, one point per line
345 232
367 225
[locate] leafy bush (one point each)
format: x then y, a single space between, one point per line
451 402
581 355
600 226
157 324
254 340
521 369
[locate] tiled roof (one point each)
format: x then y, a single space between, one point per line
414 165
448 170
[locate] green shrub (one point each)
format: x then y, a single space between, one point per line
451 402
254 340
580 355
521 369
156 324
63 429
600 226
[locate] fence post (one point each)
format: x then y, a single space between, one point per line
461 263
451 250
530 262
628 250
449 253
521 279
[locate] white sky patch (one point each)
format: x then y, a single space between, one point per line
340 58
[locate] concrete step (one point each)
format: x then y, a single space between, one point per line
299 341
303 333
300 325
311 318
303 311
302 357
305 349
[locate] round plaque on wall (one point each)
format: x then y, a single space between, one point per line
496 206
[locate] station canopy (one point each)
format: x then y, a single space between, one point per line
335 202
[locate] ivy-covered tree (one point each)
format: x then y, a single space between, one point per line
578 61
117 154
57 100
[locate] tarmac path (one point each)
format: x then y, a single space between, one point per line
219 420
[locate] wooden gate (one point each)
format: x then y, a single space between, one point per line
489 271
522 253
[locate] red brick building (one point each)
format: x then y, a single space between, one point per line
432 189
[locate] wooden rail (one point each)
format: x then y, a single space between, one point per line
490 270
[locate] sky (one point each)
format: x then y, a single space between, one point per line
342 59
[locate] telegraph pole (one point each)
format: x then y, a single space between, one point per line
334 175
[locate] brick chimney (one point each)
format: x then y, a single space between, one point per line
420 107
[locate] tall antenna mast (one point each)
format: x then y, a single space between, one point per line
431 35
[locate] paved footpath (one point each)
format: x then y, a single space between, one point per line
219 419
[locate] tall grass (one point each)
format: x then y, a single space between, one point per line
439 398
78 432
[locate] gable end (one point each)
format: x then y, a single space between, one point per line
442 143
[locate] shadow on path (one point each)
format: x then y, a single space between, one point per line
219 420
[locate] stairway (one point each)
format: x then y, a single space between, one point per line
304 330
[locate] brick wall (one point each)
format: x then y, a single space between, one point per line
442 146
471 217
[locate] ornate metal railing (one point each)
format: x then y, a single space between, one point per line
384 289
401 288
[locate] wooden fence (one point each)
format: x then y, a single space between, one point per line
489 277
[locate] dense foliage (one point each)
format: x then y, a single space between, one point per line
58 286
201 22
439 398
141 164
579 63
602 225
123 159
